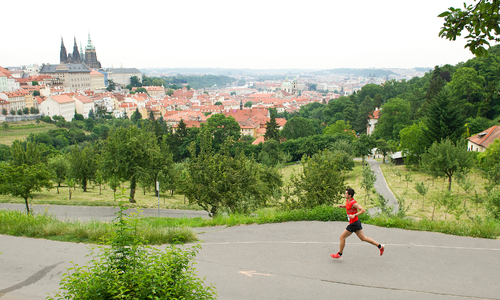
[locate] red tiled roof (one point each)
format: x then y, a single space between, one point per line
259 140
486 137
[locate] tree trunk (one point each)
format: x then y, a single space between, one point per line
133 185
27 205
84 186
449 183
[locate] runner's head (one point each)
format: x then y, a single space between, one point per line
350 192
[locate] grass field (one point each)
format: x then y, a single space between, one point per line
21 130
402 182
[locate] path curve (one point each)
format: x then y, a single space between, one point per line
382 188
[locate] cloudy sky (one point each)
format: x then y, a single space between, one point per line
269 34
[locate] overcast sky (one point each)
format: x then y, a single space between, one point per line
269 34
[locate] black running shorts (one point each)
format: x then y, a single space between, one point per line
353 227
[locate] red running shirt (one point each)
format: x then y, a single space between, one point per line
351 210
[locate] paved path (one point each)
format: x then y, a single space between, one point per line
101 213
291 261
381 186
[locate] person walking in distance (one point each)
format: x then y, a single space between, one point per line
353 211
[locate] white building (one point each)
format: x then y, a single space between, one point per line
61 105
122 75
83 105
72 76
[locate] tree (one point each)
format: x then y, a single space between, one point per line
394 116
468 87
12 112
19 112
24 180
4 112
411 142
111 85
135 81
83 165
136 116
444 119
218 103
364 110
222 128
91 114
340 127
271 154
126 154
319 183
446 158
170 92
59 166
385 148
368 180
34 83
141 90
36 93
26 173
248 104
489 163
272 130
220 180
27 153
32 110
480 20
422 189
363 146
297 127
5 125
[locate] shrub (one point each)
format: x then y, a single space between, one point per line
128 269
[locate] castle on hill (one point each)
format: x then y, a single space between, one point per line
89 58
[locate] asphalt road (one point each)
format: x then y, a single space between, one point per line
291 261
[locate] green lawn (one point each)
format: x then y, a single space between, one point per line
21 130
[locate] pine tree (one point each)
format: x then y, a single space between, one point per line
443 119
272 129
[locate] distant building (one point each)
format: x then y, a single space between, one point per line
97 80
122 75
481 141
70 76
61 105
78 57
372 121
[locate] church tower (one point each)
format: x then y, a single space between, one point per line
76 54
91 56
63 56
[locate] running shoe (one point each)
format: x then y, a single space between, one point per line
382 249
336 255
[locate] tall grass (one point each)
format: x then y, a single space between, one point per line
17 223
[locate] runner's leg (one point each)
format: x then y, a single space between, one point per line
364 238
343 236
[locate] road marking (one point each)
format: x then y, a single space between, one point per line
336 243
250 273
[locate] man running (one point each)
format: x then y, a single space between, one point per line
353 211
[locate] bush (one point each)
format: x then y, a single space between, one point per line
130 270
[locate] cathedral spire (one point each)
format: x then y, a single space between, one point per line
76 53
89 44
63 56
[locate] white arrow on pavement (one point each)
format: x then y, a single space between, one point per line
250 273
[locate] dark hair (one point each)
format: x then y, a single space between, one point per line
350 191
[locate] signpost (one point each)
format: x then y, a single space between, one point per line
158 189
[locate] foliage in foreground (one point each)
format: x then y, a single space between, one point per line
128 269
